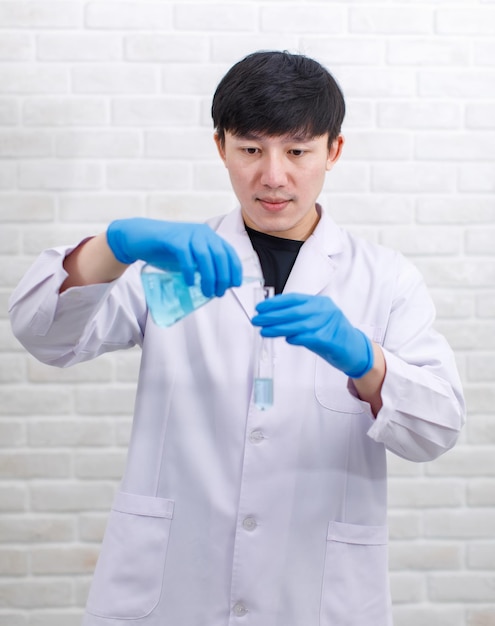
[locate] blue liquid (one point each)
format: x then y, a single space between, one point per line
263 393
169 298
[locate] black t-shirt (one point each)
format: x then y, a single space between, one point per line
277 257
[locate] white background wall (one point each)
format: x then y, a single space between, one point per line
104 113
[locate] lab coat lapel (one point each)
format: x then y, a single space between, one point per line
232 229
317 259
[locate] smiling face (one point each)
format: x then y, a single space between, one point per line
277 179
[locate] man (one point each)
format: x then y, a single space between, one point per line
228 514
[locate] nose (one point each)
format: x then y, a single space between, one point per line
274 173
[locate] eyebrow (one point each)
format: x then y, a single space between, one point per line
287 138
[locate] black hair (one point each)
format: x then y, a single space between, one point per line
278 93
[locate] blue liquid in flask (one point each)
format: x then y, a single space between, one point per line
168 296
263 393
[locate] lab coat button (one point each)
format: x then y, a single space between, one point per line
256 436
239 609
249 523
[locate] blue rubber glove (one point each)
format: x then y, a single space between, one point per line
178 245
318 324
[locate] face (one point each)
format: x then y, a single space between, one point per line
277 179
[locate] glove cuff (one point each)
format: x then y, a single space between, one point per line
114 240
366 363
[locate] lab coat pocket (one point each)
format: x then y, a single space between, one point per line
332 386
128 578
355 584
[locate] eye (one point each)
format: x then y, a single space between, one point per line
251 150
297 152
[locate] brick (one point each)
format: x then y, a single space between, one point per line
67 496
485 305
359 114
96 465
151 175
104 401
456 209
480 617
98 208
404 525
452 304
413 177
479 146
480 115
479 241
376 82
13 562
18 47
464 461
477 177
425 556
92 526
180 144
461 587
8 175
30 79
213 17
60 175
9 112
192 79
98 144
418 615
69 559
480 398
481 430
26 207
154 111
386 20
35 529
481 492
457 84
428 51
123 431
348 177
378 145
10 240
42 14
8 618
290 18
35 593
484 52
466 21
332 52
129 15
458 273
166 48
34 464
428 493
12 433
19 400
418 114
40 237
13 497
106 79
127 366
25 144
64 617
407 587
423 241
459 524
79 47
71 433
227 48
73 111
193 206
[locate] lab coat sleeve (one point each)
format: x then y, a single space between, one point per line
82 322
423 406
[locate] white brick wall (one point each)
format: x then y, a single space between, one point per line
104 112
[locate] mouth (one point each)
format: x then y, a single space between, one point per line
274 204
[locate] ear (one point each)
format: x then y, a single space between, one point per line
220 146
335 151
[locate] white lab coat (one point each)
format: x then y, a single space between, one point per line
230 515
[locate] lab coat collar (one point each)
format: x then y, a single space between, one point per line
314 266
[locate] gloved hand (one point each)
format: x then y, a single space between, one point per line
178 245
318 324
